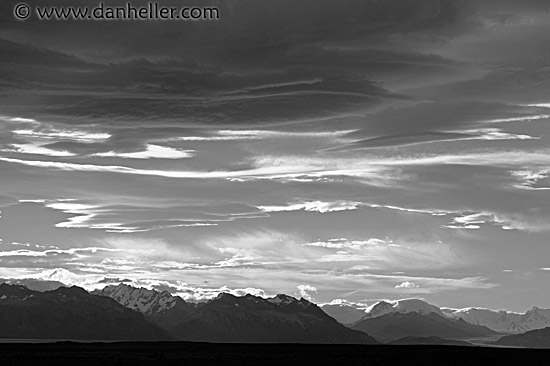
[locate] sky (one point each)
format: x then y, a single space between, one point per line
358 150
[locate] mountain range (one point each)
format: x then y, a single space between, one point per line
395 325
126 313
497 320
70 313
123 312
228 318
503 321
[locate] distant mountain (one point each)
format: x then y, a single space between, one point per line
251 319
497 320
70 313
429 341
539 338
160 308
393 326
402 306
343 313
33 284
503 321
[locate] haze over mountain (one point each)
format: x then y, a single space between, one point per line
394 326
497 320
504 321
539 338
429 341
344 312
401 306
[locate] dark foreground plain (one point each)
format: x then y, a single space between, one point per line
186 353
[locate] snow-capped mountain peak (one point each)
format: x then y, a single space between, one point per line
141 299
417 306
379 309
501 320
401 306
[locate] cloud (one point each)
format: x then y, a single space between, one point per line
377 254
471 221
532 179
77 252
418 129
306 290
251 135
33 149
315 206
47 132
344 302
253 29
530 221
151 152
343 243
433 212
145 214
407 285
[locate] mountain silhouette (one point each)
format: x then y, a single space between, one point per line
251 319
70 313
393 326
539 338
160 308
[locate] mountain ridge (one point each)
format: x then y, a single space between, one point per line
70 313
392 326
539 338
160 308
252 319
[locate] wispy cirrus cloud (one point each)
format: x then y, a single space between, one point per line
315 206
151 152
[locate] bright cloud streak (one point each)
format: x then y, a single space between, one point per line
281 167
34 149
52 133
152 152
315 206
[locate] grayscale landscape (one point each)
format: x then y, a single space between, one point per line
287 181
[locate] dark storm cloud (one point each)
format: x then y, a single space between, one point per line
262 62
247 29
69 86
